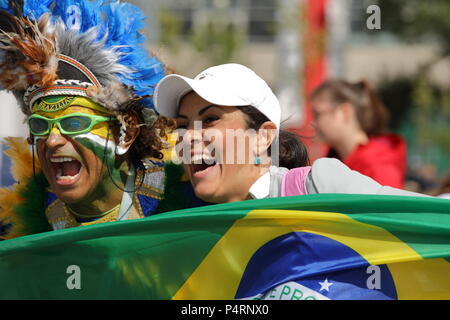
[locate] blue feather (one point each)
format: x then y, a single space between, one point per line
79 14
118 24
4 5
124 23
36 8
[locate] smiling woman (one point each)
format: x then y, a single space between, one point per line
232 147
84 82
209 171
228 121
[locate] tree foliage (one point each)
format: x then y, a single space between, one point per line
418 20
416 104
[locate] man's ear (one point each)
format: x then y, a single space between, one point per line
266 135
127 138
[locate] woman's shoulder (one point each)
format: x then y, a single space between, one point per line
329 175
294 181
325 175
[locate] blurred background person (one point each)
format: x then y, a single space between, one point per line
351 119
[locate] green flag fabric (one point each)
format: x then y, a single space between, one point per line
324 246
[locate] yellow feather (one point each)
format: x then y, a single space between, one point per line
22 171
170 153
8 199
21 158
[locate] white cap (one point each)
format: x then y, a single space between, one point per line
225 85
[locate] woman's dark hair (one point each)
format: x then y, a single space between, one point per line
371 113
292 152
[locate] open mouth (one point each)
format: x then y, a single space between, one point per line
66 169
201 164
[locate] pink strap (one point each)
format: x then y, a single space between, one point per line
293 183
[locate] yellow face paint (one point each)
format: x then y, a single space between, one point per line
77 104
94 150
57 103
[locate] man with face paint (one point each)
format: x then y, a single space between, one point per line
85 83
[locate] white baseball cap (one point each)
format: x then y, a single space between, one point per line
225 85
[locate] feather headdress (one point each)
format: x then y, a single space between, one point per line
76 47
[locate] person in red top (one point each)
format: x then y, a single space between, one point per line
352 120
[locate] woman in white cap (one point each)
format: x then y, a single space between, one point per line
231 144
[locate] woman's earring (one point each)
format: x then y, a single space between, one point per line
257 160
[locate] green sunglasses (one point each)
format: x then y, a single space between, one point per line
75 123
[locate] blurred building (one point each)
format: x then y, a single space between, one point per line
353 51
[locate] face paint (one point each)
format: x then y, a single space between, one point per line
58 103
53 103
76 166
103 149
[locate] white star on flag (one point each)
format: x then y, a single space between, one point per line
325 285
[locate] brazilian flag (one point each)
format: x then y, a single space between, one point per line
324 246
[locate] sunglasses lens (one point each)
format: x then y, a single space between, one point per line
75 124
38 126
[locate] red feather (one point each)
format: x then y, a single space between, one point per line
30 56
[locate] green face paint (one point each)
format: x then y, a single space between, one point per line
88 181
107 155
